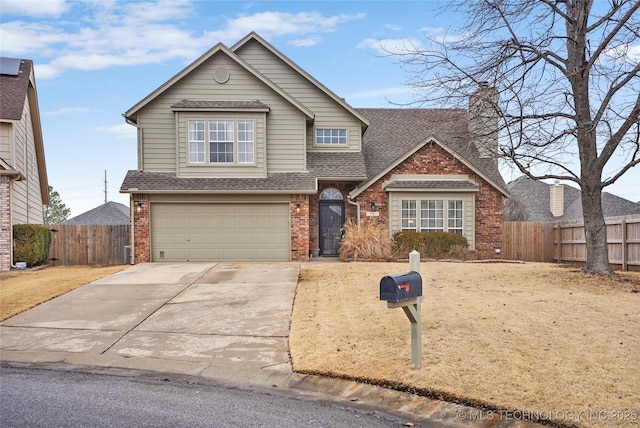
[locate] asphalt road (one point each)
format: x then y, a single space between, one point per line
35 397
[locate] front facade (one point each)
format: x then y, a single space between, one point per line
243 156
23 174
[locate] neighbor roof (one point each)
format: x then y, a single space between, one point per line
395 134
532 196
111 213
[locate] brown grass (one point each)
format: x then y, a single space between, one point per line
534 337
22 290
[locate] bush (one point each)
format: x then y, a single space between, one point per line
432 245
31 244
369 241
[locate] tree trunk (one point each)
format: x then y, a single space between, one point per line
595 230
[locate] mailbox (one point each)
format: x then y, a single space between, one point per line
404 286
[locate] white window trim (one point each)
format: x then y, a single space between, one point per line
346 137
418 219
208 142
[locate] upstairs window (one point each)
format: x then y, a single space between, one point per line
331 136
221 142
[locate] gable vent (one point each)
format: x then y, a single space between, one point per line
221 75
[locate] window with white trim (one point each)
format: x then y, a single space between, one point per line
331 136
432 216
408 215
221 141
196 141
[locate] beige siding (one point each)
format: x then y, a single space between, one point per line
26 194
285 124
328 113
468 207
6 141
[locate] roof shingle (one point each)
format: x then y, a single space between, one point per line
13 91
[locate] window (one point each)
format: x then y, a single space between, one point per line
331 136
408 215
228 141
432 216
221 141
196 141
454 215
245 142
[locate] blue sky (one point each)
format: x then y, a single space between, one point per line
96 59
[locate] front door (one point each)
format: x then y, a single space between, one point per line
331 221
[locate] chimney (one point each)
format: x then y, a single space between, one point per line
556 199
483 120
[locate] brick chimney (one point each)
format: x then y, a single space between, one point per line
483 120
556 199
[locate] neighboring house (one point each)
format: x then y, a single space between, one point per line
245 156
533 200
23 173
110 213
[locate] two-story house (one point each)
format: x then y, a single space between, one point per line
23 173
244 156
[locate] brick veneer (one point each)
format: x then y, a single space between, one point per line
432 159
299 214
5 223
142 242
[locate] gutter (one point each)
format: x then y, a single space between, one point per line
357 205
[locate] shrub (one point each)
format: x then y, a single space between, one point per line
369 241
433 245
31 244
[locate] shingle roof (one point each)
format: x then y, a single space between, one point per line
532 197
393 133
111 213
13 91
337 165
432 184
231 105
143 181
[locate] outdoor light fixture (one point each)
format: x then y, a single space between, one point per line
373 206
138 206
298 208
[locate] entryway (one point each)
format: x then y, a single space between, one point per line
331 221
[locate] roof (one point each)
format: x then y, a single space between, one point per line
13 90
111 213
349 165
530 199
445 185
160 182
221 105
395 134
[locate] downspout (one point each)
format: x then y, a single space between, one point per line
18 178
357 205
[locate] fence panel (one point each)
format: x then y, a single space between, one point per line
528 241
88 244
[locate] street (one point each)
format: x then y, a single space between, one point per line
35 397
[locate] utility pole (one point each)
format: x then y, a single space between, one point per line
105 186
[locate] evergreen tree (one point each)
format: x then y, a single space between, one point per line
56 212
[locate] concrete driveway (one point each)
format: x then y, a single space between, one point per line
223 320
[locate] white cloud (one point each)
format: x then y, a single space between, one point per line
35 8
122 131
391 46
68 110
112 34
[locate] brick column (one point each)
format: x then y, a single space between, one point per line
299 214
5 223
141 232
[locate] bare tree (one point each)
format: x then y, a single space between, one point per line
568 77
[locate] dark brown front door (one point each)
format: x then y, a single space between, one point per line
331 222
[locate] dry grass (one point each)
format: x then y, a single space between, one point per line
534 337
367 241
22 290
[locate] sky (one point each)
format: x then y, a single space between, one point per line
94 59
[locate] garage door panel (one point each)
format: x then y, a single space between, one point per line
225 232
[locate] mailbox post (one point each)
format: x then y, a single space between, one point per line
405 291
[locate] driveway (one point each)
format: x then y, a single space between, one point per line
223 320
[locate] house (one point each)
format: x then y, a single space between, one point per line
23 172
533 200
244 156
109 213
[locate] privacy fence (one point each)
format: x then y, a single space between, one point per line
564 242
88 244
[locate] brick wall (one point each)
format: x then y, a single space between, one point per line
432 159
5 223
299 214
141 237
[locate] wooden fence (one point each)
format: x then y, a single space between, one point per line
564 242
88 244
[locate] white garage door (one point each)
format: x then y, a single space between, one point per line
220 232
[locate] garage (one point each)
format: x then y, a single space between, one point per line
220 232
